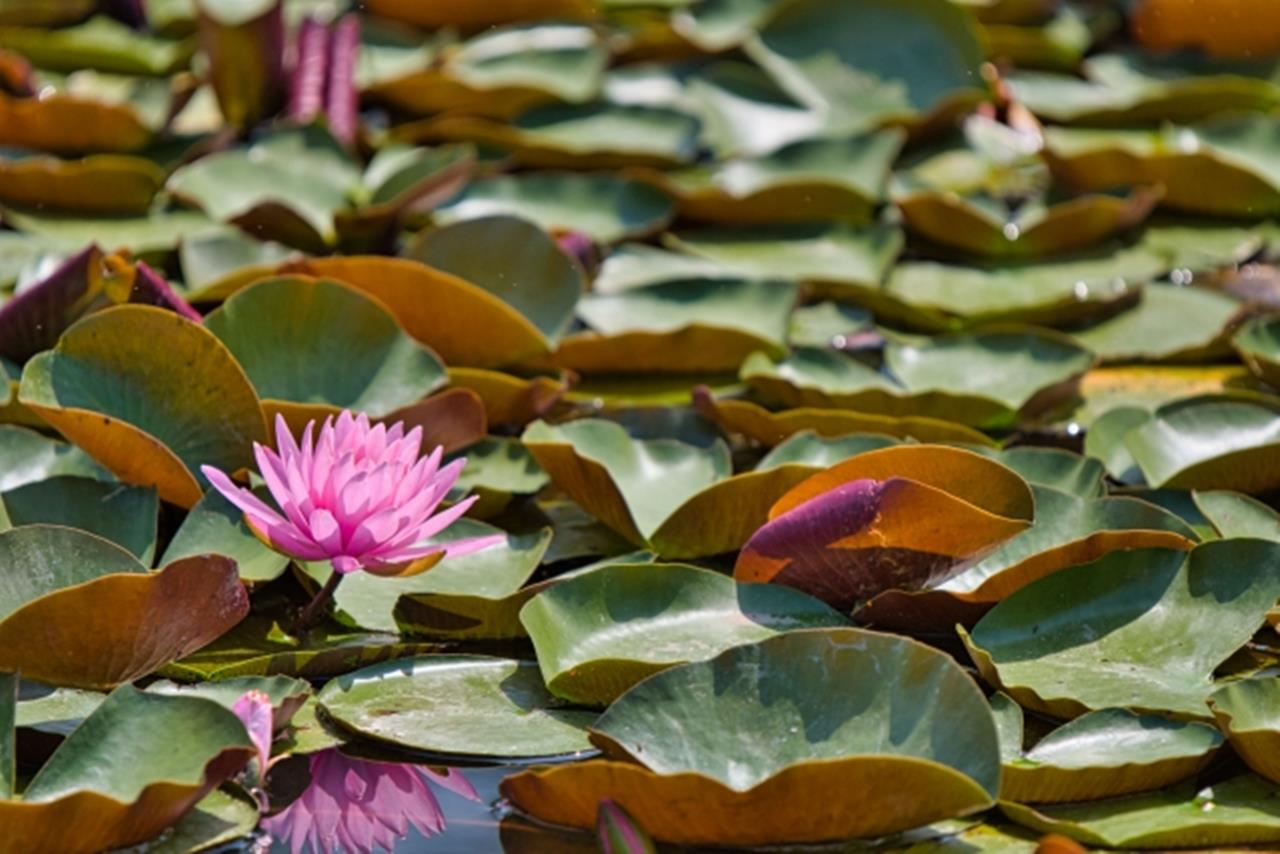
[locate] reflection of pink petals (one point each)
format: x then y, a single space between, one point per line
357 495
355 806
254 711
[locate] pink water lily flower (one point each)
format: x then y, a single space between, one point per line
359 496
356 807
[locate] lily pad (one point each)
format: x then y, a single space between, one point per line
464 14
70 805
474 595
897 518
323 345
100 43
1245 711
28 457
1128 630
1236 515
1258 344
584 629
533 276
1108 753
216 526
679 327
674 723
821 179
465 323
853 64
1170 323
457 705
827 255
988 379
125 515
1210 443
152 396
1239 811
604 207
122 184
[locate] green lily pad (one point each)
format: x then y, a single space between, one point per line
219 818
1108 753
1240 811
828 324
1139 87
216 526
604 207
821 179
810 449
834 704
532 276
587 136
1258 344
744 111
1210 443
125 515
100 43
458 705
285 694
498 469
679 327
988 379
58 712
28 457
1246 712
638 265
584 629
285 187
1059 469
1231 156
1170 323
149 394
935 297
216 264
467 596
1129 630
830 256
630 485
871 63
324 345
158 231
1236 515
154 781
258 646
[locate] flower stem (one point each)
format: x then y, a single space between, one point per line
316 607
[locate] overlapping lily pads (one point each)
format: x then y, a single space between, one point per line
1128 630
672 725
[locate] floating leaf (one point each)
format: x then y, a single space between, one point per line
853 64
323 345
937 297
257 646
70 805
27 457
1108 753
1236 812
87 113
474 595
245 44
459 705
1258 344
1170 323
152 396
216 526
464 14
592 136
125 515
1234 31
770 428
1246 712
157 231
674 721
100 43
584 629
533 276
463 322
988 379
284 187
1210 443
1221 168
120 184
604 207
683 326
1236 515
830 256
1129 630
822 179
509 401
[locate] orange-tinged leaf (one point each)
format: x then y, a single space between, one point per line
101 183
70 125
811 802
464 323
509 400
120 627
